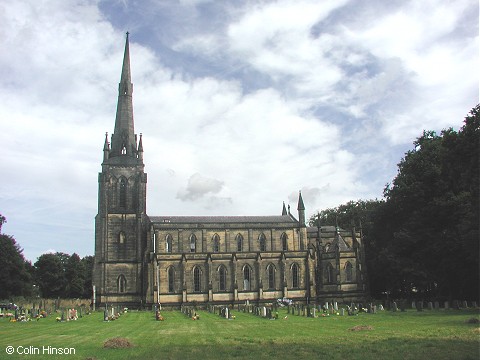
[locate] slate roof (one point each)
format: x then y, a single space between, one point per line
222 219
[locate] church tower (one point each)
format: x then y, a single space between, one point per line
121 222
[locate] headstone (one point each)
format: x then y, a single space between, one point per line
446 305
335 306
465 305
419 305
414 305
342 311
394 306
227 313
456 304
430 305
314 312
380 307
437 305
474 304
264 311
374 309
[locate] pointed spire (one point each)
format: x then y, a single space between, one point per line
300 206
284 210
301 210
123 138
126 76
140 144
106 146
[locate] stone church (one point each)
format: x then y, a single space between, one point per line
142 260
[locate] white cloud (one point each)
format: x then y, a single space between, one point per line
199 186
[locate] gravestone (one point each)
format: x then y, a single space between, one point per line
335 306
419 305
465 305
437 305
342 311
456 305
394 306
446 305
414 305
380 307
374 309
474 304
430 305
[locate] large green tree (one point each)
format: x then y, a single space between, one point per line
431 216
15 279
50 275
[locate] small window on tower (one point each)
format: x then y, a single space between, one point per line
123 192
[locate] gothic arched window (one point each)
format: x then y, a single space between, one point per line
123 193
262 242
197 277
284 239
329 274
216 243
222 278
247 272
168 243
239 239
295 274
121 284
193 243
271 276
171 279
348 272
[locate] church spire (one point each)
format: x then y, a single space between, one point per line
123 138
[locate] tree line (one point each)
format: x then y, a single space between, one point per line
53 275
422 238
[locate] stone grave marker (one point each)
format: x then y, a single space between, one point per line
394 306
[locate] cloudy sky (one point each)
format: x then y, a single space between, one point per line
241 103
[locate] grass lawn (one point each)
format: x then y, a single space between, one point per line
400 335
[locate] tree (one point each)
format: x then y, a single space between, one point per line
75 276
50 275
14 277
88 266
431 217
